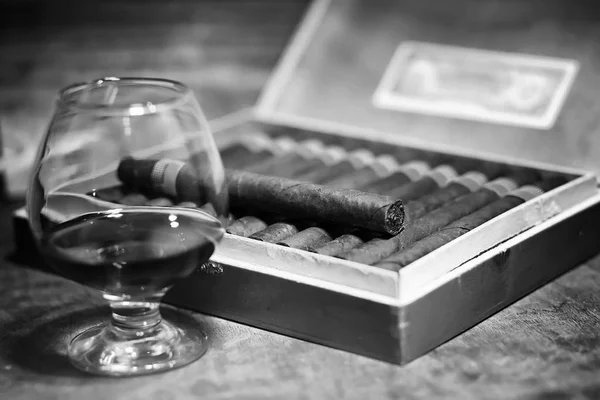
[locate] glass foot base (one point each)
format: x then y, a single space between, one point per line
109 350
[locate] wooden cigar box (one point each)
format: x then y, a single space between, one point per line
424 81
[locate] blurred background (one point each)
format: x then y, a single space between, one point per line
224 50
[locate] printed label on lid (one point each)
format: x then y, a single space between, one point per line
473 84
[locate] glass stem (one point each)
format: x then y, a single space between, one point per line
135 319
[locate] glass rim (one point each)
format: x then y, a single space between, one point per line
180 90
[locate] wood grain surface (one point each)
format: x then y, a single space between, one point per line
547 345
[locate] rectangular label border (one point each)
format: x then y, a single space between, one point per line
385 98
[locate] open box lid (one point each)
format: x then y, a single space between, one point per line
516 79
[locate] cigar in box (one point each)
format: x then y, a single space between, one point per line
250 149
303 200
297 156
308 157
344 242
406 173
464 225
437 178
303 158
378 249
246 226
379 167
275 232
307 238
352 162
467 183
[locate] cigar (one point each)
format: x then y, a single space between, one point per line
329 157
460 227
374 251
438 178
406 173
248 150
246 226
316 202
353 162
343 243
275 232
285 196
467 183
307 238
295 157
380 167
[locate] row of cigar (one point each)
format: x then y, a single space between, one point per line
355 205
439 203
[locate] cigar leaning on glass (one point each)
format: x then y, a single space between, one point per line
285 196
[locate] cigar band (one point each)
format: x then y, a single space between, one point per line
164 175
527 192
502 186
333 154
310 149
360 158
472 180
414 170
384 165
284 145
443 174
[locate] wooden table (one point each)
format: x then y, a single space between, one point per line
547 345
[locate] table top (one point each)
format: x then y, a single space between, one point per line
546 345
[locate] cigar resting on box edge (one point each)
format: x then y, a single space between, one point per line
376 250
458 228
285 196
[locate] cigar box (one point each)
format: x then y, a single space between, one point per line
421 81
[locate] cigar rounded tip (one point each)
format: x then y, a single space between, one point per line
394 219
